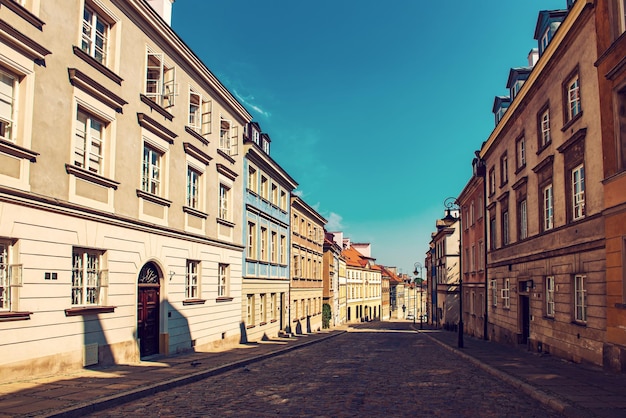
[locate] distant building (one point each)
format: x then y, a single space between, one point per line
364 286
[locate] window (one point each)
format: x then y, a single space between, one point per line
520 154
151 171
274 194
283 200
262 310
550 296
252 179
544 129
492 181
192 290
578 192
506 293
251 240
195 109
263 243
95 35
87 277
504 169
250 309
473 259
548 208
580 299
544 41
88 142
223 203
283 248
8 95
573 98
622 15
273 307
505 227
160 80
193 177
494 292
274 247
481 256
472 219
295 268
523 220
228 137
223 274
621 129
5 283
264 190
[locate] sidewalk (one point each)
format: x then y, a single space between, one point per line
576 390
88 390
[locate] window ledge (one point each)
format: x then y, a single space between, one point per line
89 310
10 148
196 135
195 212
14 316
225 155
572 121
157 107
579 323
225 222
19 10
153 198
193 302
89 176
97 65
262 323
273 320
250 326
224 299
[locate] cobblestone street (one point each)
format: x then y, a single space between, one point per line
375 370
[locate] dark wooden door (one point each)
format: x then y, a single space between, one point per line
148 320
525 318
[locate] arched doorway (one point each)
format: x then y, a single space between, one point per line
148 301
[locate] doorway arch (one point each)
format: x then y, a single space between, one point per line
148 309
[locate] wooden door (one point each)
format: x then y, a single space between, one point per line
148 301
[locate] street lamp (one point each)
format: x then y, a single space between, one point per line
452 204
419 279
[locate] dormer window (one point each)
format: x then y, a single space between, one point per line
255 137
515 88
544 41
266 147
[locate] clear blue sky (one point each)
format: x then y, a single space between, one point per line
375 108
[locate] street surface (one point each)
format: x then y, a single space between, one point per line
376 370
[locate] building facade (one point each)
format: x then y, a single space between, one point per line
331 275
267 235
364 284
119 183
307 285
545 198
445 270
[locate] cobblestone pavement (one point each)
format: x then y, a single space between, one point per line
375 370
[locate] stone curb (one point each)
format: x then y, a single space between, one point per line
95 405
551 401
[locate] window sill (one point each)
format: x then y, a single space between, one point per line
579 323
14 316
196 135
97 65
10 148
273 321
153 198
250 326
570 122
195 212
193 302
225 155
91 177
156 107
22 12
262 323
224 299
225 222
89 310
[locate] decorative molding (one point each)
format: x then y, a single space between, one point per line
196 135
22 12
21 42
97 65
155 127
14 316
195 212
153 198
10 148
197 153
222 169
95 89
91 177
157 107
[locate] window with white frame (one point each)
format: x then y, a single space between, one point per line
283 200
193 183
548 208
89 142
95 34
550 296
545 40
273 307
192 284
473 259
506 293
263 243
545 136
250 309
252 240
494 292
578 192
505 227
573 97
252 176
264 187
151 170
492 181
8 97
520 146
580 298
504 169
262 307
160 80
274 247
523 219
228 137
10 277
274 194
195 111
295 266
88 277
283 249
224 202
223 279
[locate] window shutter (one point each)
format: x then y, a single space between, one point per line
154 75
170 88
206 116
234 140
15 272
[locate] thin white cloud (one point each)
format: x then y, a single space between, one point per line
334 222
248 102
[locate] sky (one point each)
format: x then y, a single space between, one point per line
375 108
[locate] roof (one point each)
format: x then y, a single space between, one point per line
354 258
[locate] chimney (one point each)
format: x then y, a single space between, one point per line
533 57
163 9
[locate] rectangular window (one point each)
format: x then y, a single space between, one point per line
578 192
223 278
274 194
520 154
95 35
274 248
481 256
523 220
492 181
504 169
283 200
506 293
251 240
223 203
473 259
273 307
88 142
151 171
283 248
262 308
8 96
545 136
580 298
505 227
160 80
264 188
250 309
548 208
252 186
195 109
492 233
193 180
228 137
494 292
263 243
87 277
550 296
192 290
5 278
573 98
